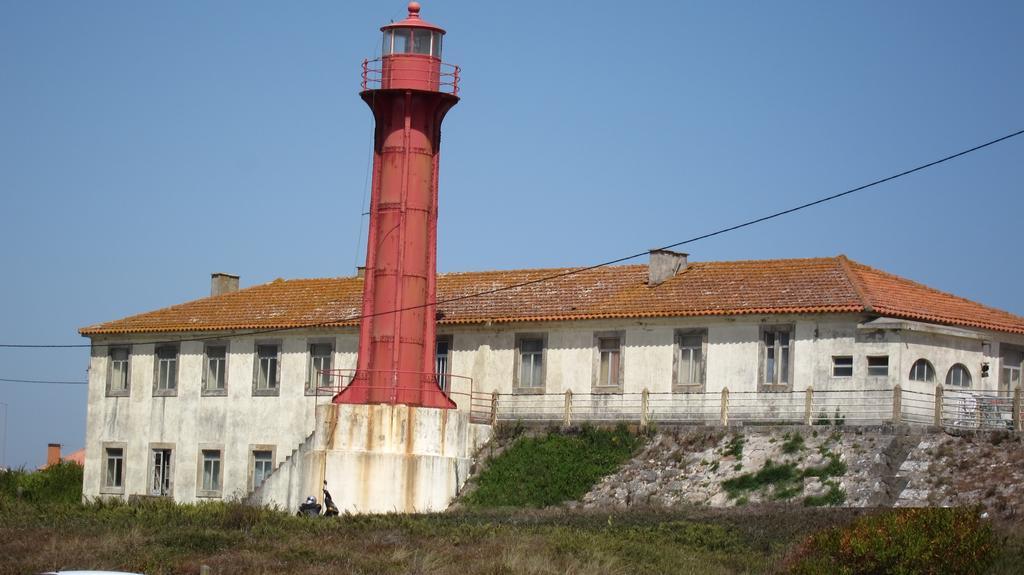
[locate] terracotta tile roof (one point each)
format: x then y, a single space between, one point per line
816 285
890 295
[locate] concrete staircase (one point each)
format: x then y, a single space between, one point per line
892 467
286 483
915 492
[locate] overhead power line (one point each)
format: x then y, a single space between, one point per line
43 381
573 271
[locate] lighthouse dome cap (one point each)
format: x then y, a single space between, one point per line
413 20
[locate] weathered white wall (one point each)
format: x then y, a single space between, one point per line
189 421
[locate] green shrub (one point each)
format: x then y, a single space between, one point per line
838 419
542 471
735 447
834 468
794 443
60 483
822 418
834 496
786 481
782 478
924 540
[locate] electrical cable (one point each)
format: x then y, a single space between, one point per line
568 272
43 381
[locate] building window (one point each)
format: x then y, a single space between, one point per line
878 366
215 372
262 466
320 365
167 370
922 370
691 351
442 361
529 374
1009 376
161 470
609 352
958 376
268 369
113 475
117 372
842 366
776 357
210 483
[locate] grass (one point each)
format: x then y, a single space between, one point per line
43 530
778 477
161 538
158 537
793 443
554 468
834 496
735 447
785 481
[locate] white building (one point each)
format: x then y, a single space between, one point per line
208 398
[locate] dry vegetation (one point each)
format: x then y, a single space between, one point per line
160 537
43 528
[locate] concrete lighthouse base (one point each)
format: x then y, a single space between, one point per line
379 459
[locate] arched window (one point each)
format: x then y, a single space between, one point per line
922 370
958 376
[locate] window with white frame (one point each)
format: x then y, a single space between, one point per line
923 371
1009 376
113 468
268 368
262 466
609 361
530 367
117 371
878 365
215 372
167 369
211 472
690 359
320 365
161 471
442 360
776 356
958 376
842 366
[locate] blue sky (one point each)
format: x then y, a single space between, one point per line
144 145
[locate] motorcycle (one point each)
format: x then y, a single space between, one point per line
310 508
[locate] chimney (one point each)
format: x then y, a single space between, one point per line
663 265
361 272
221 284
52 454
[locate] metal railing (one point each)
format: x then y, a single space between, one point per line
479 405
945 408
445 77
969 410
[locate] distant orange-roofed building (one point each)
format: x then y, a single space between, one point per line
53 456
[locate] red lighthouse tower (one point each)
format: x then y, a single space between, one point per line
409 90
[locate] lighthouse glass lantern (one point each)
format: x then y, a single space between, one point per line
411 53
